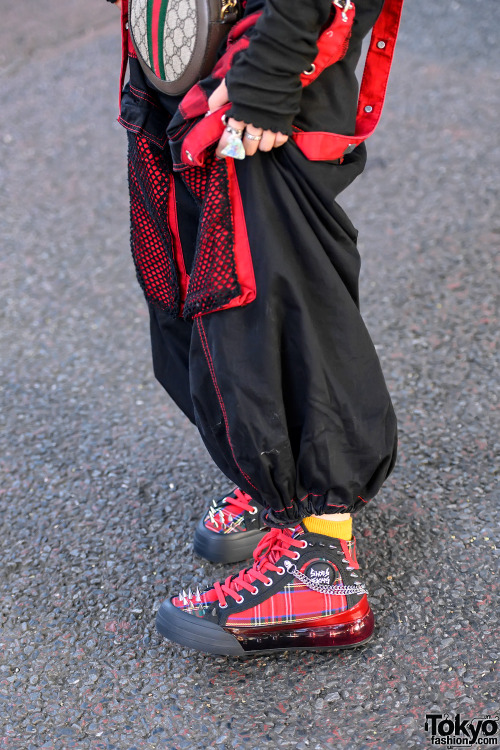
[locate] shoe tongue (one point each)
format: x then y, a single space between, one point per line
291 532
298 530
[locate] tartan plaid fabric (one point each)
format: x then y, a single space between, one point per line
226 520
301 592
295 603
227 515
197 604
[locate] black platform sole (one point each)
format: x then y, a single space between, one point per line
195 632
202 635
226 548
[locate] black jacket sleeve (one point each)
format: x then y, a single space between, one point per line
264 81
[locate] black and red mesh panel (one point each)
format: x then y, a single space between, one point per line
151 239
213 281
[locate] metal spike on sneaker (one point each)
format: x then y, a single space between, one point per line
190 594
227 626
226 532
198 595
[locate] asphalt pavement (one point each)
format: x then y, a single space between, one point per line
103 480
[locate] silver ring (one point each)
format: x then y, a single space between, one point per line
234 131
252 137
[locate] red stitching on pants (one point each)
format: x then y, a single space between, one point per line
140 131
287 507
143 95
208 357
314 494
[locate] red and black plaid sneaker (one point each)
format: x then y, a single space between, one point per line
230 529
302 592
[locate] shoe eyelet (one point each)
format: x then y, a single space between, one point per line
281 571
304 544
269 582
255 592
240 600
253 512
223 606
296 556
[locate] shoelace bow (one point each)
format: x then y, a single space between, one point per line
277 542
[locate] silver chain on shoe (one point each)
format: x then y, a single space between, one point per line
358 588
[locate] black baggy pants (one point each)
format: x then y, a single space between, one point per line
287 391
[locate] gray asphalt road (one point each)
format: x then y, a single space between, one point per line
103 481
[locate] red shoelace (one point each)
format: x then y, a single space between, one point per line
235 504
276 543
241 500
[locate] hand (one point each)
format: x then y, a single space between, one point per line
118 4
266 138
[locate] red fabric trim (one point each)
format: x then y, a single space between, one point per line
182 276
329 146
242 254
319 145
242 25
349 550
125 48
131 48
377 67
353 614
332 44
226 60
206 132
195 103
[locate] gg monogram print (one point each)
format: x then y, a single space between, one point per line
164 34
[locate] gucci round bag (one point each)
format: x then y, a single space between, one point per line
176 41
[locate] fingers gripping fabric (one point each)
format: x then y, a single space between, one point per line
214 281
151 239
